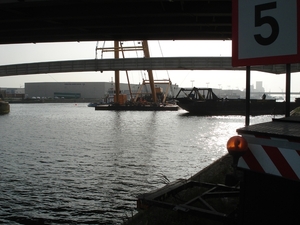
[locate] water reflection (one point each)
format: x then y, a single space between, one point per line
62 163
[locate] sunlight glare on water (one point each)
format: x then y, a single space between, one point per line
69 164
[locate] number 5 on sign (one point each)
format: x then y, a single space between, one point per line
265 32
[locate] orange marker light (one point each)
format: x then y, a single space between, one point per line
236 147
237 144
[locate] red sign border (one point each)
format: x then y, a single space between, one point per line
283 59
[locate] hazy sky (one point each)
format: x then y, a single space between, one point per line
41 52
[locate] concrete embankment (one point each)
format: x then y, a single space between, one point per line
214 173
24 101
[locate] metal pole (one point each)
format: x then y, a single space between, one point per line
288 90
247 122
117 73
150 73
129 87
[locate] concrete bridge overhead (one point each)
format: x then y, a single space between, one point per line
33 21
165 63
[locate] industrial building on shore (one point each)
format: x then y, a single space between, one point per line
81 90
68 90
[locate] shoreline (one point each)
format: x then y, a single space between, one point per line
39 101
214 173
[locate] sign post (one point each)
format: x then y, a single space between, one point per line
265 32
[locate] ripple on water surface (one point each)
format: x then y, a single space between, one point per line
70 164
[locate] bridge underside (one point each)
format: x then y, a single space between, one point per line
165 63
32 21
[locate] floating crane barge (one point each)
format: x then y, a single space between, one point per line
156 101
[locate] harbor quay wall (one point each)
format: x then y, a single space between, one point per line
215 173
263 199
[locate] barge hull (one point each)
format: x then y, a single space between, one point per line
136 108
220 108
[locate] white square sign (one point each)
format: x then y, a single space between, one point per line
265 32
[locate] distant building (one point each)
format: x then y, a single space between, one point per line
259 87
74 90
79 90
12 93
229 93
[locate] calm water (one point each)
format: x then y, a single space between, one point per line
69 164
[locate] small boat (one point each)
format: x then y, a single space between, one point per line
203 101
93 104
4 107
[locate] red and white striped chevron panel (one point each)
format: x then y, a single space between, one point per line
279 157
